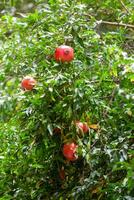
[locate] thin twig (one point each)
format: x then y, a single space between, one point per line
123 5
110 102
116 24
94 143
112 23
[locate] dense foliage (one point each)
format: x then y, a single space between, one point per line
96 88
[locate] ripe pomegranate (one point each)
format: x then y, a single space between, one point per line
82 126
64 53
69 151
28 83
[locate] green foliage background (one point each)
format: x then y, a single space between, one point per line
96 87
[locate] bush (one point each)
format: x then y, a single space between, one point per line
96 88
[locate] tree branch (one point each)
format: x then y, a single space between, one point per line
116 24
123 5
110 102
111 23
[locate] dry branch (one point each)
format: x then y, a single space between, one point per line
116 24
123 5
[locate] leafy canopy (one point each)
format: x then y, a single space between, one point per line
97 88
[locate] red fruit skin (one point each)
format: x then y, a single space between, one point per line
28 83
82 126
69 151
64 53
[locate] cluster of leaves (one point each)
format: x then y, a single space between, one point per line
97 87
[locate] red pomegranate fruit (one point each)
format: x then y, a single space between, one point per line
28 83
69 151
64 53
82 126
